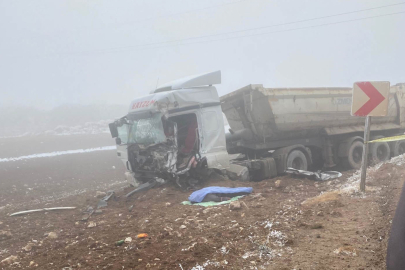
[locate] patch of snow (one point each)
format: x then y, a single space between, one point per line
398 160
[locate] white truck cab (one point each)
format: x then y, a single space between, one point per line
174 133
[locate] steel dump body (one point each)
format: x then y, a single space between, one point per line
272 114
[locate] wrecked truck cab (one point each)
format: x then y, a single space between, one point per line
174 134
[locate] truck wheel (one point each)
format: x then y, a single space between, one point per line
380 152
398 148
355 154
297 160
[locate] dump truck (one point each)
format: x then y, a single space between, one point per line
176 133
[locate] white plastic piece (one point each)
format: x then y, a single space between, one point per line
205 79
41 210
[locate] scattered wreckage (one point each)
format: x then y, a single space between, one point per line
319 175
176 133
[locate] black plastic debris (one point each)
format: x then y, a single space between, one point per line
103 202
318 176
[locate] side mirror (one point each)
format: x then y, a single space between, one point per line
118 140
113 130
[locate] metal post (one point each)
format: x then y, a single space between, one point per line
365 154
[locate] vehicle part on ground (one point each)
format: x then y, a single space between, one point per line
354 155
41 210
87 213
296 159
319 176
103 202
379 151
143 187
238 172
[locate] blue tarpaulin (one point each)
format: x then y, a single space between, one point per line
199 195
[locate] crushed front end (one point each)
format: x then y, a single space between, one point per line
149 149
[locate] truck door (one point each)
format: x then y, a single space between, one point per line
213 145
122 151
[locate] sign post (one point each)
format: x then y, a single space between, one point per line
369 99
365 154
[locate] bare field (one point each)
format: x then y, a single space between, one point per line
274 229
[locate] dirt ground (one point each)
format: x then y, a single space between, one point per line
301 224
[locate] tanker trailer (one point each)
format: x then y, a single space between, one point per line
298 127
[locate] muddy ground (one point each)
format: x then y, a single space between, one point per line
284 227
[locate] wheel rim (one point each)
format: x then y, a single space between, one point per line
297 163
382 152
357 154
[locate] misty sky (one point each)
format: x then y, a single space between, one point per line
78 51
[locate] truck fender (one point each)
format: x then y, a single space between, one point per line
344 146
280 155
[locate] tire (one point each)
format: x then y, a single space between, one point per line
296 159
353 160
398 148
380 152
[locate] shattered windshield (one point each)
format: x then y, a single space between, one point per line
146 131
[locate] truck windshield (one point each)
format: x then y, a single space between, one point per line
144 131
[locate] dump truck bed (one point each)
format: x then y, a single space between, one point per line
287 113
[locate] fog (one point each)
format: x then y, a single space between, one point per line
109 52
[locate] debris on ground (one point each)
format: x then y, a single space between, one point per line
100 194
103 202
143 187
128 240
235 205
9 260
41 210
87 213
295 226
324 197
92 224
142 235
277 183
28 247
120 242
346 250
5 234
319 176
237 172
52 235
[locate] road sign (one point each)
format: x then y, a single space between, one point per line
370 98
